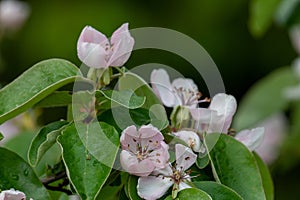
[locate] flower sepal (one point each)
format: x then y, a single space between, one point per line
180 117
101 77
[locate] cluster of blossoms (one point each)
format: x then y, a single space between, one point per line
144 152
216 118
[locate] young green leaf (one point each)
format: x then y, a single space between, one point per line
217 190
45 138
85 172
155 109
255 105
234 164
266 178
202 162
109 193
130 188
16 173
118 117
191 193
100 139
125 98
35 84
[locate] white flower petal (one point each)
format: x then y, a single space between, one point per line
182 186
131 164
148 131
122 45
160 82
91 48
225 105
206 120
185 83
251 138
93 55
91 35
185 157
202 115
12 195
153 187
191 138
160 157
187 92
167 171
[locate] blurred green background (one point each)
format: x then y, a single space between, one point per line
221 27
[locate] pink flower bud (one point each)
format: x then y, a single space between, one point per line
96 51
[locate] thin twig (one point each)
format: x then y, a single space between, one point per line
57 188
52 179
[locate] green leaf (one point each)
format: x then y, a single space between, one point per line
266 178
85 172
191 193
20 144
202 162
35 84
56 99
16 173
261 15
236 167
125 98
156 111
45 138
109 193
101 140
265 98
130 188
1 136
217 190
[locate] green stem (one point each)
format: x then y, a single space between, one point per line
69 113
211 161
120 70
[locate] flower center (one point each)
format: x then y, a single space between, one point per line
187 96
142 152
177 176
192 142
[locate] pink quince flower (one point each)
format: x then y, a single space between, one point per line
181 92
252 139
143 150
191 139
96 51
12 194
157 184
218 116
